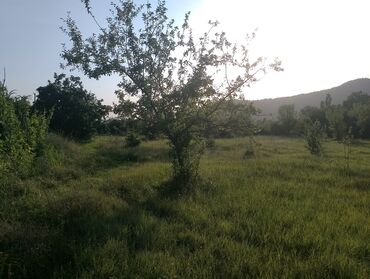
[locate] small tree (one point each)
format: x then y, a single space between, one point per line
74 112
347 150
170 81
313 137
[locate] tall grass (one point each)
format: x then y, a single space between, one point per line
99 211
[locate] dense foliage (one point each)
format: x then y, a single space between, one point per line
74 112
22 134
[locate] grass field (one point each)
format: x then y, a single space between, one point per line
98 210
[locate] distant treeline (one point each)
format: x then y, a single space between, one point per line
352 117
237 118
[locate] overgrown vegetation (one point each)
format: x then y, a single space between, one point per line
103 206
22 134
99 214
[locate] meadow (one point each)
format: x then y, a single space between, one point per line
101 210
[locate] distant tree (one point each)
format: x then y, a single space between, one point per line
74 112
310 114
313 135
337 127
287 119
233 118
327 108
357 114
170 81
327 103
363 118
356 98
355 109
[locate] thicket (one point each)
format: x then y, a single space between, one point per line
22 134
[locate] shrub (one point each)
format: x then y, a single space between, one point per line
313 136
132 140
22 134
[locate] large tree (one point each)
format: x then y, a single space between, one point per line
74 111
170 81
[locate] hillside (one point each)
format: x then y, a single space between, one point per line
338 94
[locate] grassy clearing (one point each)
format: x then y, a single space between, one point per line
97 211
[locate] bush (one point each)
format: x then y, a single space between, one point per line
132 140
22 134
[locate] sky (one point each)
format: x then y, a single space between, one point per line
321 43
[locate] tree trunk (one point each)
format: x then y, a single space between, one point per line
185 161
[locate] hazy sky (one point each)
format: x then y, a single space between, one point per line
322 43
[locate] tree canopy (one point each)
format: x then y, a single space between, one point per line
74 112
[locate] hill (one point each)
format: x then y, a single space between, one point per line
338 94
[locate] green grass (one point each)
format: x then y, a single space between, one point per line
98 211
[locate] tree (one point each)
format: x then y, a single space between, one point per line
363 118
310 114
356 114
328 109
233 118
170 81
287 119
356 98
336 125
313 136
74 112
